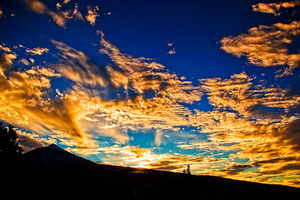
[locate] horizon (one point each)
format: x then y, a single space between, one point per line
157 84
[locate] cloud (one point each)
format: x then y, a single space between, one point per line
158 137
61 17
37 51
259 123
266 46
76 66
66 1
172 51
146 76
37 6
92 14
146 158
6 61
25 102
4 48
31 141
239 94
150 96
250 121
235 169
24 61
274 8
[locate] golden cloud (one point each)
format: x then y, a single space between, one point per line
37 51
6 61
60 18
260 48
259 123
92 14
274 8
146 158
4 48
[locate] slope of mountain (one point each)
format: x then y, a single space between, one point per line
53 173
52 156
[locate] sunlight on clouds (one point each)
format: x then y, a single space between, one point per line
258 123
252 126
146 158
146 77
84 110
92 14
4 48
266 46
6 60
37 6
274 8
37 51
60 17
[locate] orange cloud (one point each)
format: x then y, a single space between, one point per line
259 123
4 48
92 14
37 51
60 18
6 61
146 158
260 48
274 8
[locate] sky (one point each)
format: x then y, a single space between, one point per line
157 84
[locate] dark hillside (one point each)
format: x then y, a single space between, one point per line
77 178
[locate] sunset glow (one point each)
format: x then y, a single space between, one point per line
157 84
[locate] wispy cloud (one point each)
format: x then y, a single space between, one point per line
60 17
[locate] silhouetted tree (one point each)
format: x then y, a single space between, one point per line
187 170
9 148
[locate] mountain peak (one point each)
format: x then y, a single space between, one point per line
54 146
53 156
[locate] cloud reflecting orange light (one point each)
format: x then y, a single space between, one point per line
254 127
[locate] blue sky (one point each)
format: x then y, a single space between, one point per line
157 84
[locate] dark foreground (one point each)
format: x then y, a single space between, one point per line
82 179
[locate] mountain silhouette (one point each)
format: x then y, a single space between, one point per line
53 156
54 173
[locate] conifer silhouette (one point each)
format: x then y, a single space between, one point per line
9 148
